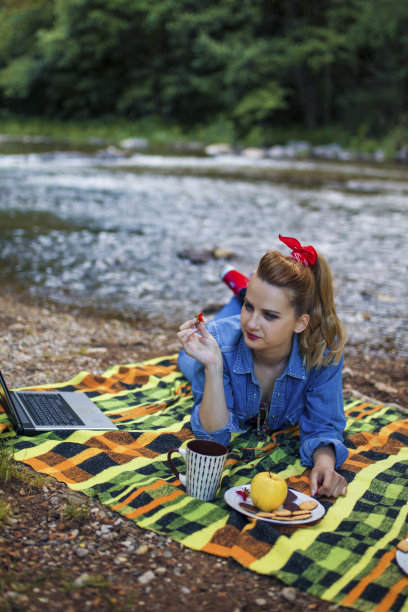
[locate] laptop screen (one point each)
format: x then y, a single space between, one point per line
7 402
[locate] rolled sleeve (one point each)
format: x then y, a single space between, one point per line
323 421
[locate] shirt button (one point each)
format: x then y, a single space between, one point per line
278 395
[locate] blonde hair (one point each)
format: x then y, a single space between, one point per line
311 292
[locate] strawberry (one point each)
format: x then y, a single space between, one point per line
199 318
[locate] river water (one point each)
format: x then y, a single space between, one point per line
102 231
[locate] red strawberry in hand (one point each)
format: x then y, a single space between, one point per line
199 318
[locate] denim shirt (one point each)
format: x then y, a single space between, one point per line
313 398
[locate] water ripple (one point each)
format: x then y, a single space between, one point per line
107 234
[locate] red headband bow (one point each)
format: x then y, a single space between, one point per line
306 255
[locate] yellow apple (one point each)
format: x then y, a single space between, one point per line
268 491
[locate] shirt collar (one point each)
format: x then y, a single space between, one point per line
244 363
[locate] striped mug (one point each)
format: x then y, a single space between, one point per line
205 461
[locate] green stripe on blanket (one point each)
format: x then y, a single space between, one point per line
348 557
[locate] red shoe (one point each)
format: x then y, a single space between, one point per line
234 279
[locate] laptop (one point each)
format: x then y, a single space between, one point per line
32 412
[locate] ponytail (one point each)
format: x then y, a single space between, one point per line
323 340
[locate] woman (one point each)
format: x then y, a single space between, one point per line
279 361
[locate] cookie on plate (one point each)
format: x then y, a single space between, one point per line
308 505
403 546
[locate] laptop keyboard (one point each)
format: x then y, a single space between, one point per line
49 409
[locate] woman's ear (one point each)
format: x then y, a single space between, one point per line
302 323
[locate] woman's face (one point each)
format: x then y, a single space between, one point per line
268 320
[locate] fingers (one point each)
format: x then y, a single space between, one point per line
185 334
188 324
327 483
334 489
314 486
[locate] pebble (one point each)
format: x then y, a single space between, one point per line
146 577
81 580
142 549
289 593
185 590
80 552
260 601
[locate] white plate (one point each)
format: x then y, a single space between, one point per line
234 500
402 560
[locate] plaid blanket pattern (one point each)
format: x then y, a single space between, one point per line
348 557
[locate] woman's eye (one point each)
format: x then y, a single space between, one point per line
270 316
248 306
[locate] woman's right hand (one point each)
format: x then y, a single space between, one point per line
199 343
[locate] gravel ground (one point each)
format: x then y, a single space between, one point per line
62 551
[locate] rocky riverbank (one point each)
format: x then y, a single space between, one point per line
59 550
292 149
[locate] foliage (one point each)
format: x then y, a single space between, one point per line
8 467
257 63
74 513
10 471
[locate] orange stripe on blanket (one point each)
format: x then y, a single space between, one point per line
375 572
216 549
140 376
65 463
379 439
243 556
359 408
392 595
123 443
362 415
300 482
154 504
132 496
138 411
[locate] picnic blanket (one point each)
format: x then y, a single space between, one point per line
348 557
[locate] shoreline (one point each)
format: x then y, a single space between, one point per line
48 343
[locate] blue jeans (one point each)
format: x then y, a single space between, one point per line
185 362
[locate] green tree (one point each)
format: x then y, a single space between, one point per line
21 64
257 62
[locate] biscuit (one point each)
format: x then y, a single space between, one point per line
283 512
288 519
266 514
403 546
301 512
308 505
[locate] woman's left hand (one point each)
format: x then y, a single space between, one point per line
324 480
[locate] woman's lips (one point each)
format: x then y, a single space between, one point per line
251 336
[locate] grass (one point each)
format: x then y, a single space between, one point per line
8 467
73 513
160 133
10 471
5 512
